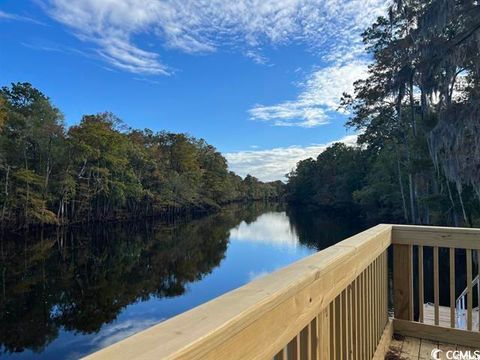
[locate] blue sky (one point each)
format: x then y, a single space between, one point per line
258 79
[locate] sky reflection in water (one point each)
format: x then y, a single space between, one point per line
153 273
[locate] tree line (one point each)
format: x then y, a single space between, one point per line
101 170
418 118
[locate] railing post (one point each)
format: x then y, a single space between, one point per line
403 282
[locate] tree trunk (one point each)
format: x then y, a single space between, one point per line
459 190
412 106
400 182
454 212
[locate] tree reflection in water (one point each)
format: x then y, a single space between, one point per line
77 280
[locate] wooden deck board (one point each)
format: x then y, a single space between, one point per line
426 347
410 348
444 316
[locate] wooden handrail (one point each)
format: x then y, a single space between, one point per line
462 238
258 320
449 247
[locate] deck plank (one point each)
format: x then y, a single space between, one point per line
444 316
426 347
396 344
445 347
410 348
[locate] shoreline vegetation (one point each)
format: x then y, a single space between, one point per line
417 114
101 170
417 158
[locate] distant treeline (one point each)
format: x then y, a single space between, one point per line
418 115
101 170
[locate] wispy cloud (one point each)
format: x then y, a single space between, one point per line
274 164
120 330
194 26
15 17
257 57
319 96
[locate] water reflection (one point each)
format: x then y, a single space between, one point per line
272 228
68 293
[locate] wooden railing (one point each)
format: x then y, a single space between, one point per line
452 253
331 305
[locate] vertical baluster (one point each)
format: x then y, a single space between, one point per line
402 286
374 313
304 343
384 290
293 349
314 339
324 334
389 285
332 329
377 307
336 328
452 288
378 310
355 319
410 283
370 311
386 284
420 284
281 355
341 324
363 318
468 253
435 284
367 313
348 320
382 294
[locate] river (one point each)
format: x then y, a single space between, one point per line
69 292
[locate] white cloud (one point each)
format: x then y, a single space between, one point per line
270 228
119 330
273 164
194 26
320 95
9 16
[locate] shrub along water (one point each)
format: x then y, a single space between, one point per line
101 170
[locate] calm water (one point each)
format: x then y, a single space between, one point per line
68 293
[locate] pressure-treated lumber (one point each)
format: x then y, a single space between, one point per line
461 238
436 333
402 286
385 340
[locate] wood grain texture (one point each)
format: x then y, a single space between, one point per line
402 290
452 287
421 284
468 255
436 289
384 343
462 238
436 333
